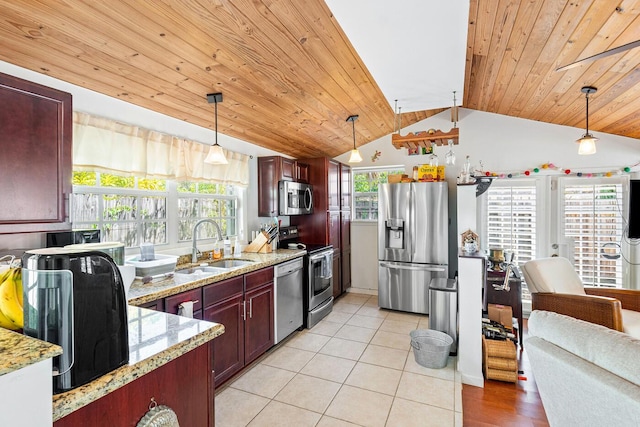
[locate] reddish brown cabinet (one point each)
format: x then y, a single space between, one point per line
184 384
36 145
259 306
333 185
157 305
271 170
302 172
172 303
245 306
345 187
330 222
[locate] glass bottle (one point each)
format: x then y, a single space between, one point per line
433 158
450 157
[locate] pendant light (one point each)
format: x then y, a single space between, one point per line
588 141
216 154
355 154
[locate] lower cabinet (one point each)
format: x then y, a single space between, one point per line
184 384
259 323
337 276
245 306
346 270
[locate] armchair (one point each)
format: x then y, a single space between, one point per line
555 286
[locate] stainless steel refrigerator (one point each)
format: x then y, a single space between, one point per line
413 248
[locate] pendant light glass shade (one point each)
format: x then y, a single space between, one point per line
355 154
216 154
587 144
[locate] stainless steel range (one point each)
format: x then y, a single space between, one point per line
318 272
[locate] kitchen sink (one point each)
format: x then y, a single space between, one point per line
230 263
201 271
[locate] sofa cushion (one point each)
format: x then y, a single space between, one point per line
631 322
613 351
553 274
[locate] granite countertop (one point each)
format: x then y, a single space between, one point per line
155 338
19 351
141 293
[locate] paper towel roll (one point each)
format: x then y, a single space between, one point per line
185 309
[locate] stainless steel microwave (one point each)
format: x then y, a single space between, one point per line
295 198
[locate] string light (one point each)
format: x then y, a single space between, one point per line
552 167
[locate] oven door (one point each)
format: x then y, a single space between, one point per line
320 278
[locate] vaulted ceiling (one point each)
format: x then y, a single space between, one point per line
290 76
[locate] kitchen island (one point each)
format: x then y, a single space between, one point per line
169 360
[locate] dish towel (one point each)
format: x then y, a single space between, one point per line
327 266
185 309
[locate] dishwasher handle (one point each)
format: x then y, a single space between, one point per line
288 273
286 269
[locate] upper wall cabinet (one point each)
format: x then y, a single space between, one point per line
36 160
271 170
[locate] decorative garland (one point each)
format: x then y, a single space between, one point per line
551 166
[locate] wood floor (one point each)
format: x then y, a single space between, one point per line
505 404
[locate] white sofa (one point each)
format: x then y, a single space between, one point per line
587 374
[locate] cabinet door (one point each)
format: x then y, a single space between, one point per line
333 229
268 176
260 322
345 187
333 185
157 305
228 348
288 169
303 172
345 230
337 280
346 270
35 141
183 384
172 303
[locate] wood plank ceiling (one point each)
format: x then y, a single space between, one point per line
290 77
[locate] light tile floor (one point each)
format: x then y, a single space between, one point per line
355 368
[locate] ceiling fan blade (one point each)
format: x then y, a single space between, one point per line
601 55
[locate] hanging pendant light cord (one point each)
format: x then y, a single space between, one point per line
587 96
353 126
216 110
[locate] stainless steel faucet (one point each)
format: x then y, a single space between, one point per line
194 250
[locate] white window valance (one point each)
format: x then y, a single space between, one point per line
104 145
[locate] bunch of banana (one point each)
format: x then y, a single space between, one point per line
11 314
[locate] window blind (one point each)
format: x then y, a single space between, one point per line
592 217
511 222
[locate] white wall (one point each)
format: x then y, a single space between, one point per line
501 144
88 101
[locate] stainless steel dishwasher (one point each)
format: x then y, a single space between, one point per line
289 296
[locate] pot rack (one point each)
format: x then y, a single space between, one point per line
425 138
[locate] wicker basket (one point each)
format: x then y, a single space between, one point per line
431 348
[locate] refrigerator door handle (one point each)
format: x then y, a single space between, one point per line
411 267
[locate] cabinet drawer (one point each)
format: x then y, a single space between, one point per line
258 278
172 303
219 291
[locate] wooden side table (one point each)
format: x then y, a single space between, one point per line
512 298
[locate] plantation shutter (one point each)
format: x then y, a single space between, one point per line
511 222
592 217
